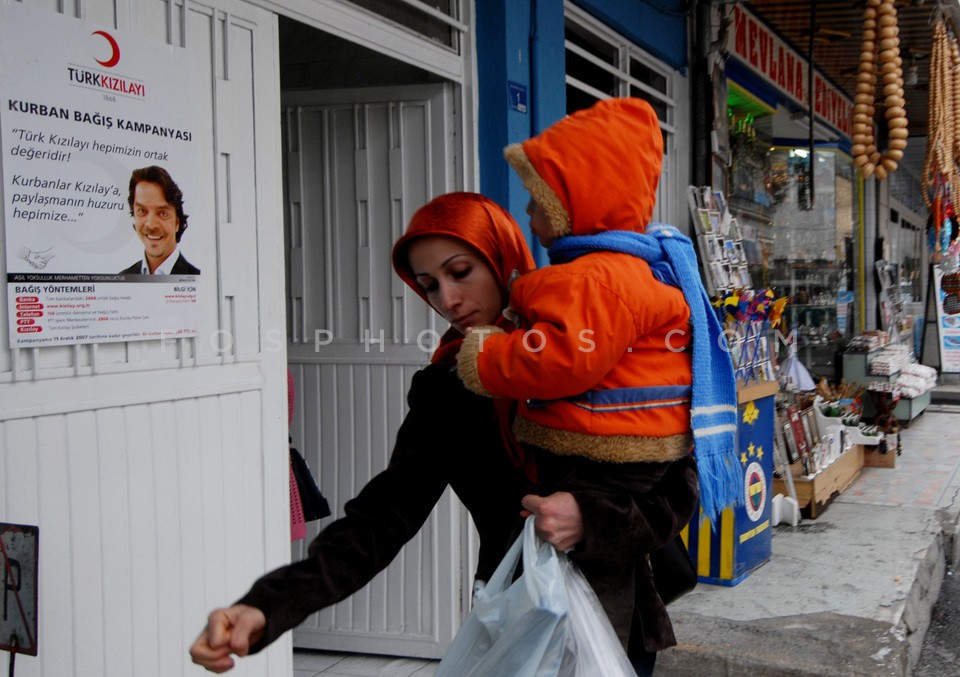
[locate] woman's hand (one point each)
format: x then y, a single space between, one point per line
557 518
229 631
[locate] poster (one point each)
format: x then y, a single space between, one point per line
946 288
75 124
844 301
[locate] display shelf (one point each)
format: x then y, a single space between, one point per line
884 455
740 206
856 369
816 492
909 408
853 434
872 458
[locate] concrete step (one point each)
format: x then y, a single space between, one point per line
808 645
849 594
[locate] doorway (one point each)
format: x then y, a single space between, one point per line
367 139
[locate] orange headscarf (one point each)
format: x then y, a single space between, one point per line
479 223
489 229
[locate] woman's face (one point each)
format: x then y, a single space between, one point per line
458 283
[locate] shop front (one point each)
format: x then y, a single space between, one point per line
788 174
812 225
317 129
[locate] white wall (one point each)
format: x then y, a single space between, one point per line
157 474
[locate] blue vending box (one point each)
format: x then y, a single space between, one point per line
741 542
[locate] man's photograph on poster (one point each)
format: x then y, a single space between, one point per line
156 205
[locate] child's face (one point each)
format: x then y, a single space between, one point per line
458 283
540 224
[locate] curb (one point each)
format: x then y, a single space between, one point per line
809 645
819 644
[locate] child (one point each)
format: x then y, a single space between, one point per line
619 369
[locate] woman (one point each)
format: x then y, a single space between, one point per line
459 254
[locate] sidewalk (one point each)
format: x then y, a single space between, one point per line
849 593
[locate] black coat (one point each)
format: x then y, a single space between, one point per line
450 437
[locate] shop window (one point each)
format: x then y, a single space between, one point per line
798 235
437 21
752 179
653 79
601 63
905 187
911 274
810 247
590 62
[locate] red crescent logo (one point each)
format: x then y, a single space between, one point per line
114 56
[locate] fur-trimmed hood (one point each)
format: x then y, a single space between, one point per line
596 169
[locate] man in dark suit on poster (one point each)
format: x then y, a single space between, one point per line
156 204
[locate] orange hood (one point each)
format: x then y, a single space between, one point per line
596 169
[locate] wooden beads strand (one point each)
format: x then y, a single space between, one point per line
879 53
955 71
942 108
943 111
863 109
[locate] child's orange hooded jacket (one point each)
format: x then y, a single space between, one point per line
600 366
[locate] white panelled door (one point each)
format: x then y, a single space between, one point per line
358 164
157 471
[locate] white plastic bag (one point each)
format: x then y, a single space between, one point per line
594 649
548 623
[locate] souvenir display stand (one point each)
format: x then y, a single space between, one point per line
721 253
726 553
879 449
816 492
883 455
856 369
826 446
842 442
893 378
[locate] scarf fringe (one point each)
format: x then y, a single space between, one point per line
719 480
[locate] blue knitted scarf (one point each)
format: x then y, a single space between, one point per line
713 410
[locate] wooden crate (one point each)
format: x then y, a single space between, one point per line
872 458
815 493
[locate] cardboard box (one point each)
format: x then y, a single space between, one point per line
815 493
